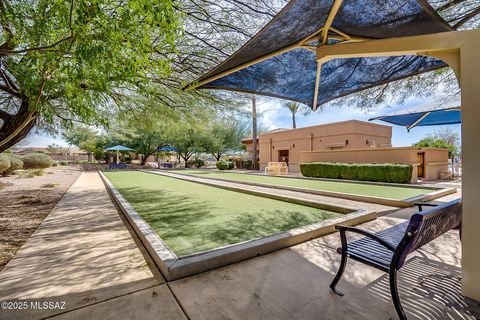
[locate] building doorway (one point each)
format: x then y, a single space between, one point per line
283 156
421 165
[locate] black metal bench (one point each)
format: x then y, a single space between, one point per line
387 250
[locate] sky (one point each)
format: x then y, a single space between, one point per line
273 115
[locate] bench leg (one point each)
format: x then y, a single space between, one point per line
395 296
339 275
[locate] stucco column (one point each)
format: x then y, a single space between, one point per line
470 86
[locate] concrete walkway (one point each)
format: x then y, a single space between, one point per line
84 255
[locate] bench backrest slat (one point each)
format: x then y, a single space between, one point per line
428 225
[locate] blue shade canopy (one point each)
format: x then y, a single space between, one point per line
431 114
280 60
167 149
119 148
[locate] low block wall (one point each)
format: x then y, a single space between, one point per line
372 155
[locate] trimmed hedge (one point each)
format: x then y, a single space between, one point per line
225 165
36 161
381 172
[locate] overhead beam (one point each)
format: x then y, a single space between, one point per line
346 37
317 86
322 33
418 121
240 67
443 46
299 44
328 22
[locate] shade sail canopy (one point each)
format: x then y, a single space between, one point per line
167 149
431 114
118 148
280 60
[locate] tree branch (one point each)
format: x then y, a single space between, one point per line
449 5
5 52
467 17
4 115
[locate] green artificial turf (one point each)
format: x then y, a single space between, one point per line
192 217
381 191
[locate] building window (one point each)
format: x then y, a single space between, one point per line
294 145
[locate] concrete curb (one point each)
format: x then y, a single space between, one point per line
270 195
370 199
173 267
373 183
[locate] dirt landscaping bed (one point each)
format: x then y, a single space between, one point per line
25 202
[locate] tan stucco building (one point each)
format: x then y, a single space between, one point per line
350 141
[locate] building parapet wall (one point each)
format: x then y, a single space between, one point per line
373 155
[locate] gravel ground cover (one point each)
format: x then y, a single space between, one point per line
25 202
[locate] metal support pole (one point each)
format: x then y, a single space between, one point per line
254 132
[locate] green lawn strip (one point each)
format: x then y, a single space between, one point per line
191 217
381 191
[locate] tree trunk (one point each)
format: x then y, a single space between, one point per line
12 123
294 122
145 157
185 158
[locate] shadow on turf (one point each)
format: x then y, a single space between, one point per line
186 223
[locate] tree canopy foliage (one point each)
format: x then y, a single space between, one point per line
87 140
64 61
445 138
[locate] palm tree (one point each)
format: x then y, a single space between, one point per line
294 107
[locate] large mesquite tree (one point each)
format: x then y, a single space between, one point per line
64 61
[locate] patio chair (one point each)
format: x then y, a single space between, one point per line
277 168
387 250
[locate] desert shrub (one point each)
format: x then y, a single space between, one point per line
64 163
4 163
15 164
36 161
198 163
49 185
222 165
99 154
37 172
225 165
382 172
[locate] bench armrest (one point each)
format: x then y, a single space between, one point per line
344 229
420 205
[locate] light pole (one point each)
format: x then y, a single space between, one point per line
254 132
